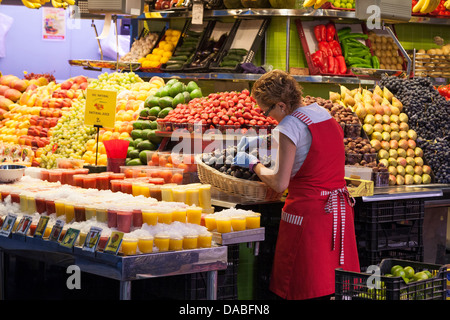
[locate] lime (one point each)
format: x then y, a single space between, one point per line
399 273
409 271
196 93
171 82
191 86
420 276
395 268
428 273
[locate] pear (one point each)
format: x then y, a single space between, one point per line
378 90
368 99
378 108
344 92
355 91
366 92
360 111
387 94
349 100
358 97
334 96
397 103
426 178
376 97
370 109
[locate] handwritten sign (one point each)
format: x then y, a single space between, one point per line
100 108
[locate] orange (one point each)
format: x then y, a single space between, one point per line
155 159
124 135
166 175
90 145
177 178
102 160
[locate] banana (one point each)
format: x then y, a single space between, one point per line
31 5
57 4
309 3
70 2
319 3
429 6
418 6
447 4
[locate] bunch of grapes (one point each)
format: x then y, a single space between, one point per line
115 81
69 137
50 77
429 116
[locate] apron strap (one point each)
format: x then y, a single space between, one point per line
332 207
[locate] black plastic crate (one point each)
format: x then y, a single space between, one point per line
389 225
227 280
370 258
360 286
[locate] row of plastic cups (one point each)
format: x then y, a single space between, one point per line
225 224
101 181
152 216
165 242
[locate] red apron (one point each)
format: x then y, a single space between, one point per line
317 219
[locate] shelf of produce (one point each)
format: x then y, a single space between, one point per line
253 12
405 192
126 268
254 77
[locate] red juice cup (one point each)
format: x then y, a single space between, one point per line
78 180
67 176
117 176
90 181
103 182
50 207
102 242
79 213
15 198
124 220
115 164
41 206
126 187
137 218
112 218
44 175
54 175
116 185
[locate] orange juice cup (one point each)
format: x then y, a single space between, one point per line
194 215
210 222
165 216
145 189
59 208
150 217
204 240
192 196
161 241
179 214
136 188
48 230
223 224
238 223
253 221
175 243
129 246
166 193
145 244
190 242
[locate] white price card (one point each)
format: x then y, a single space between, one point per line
8 225
197 13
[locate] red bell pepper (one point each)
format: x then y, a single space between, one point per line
336 48
340 60
332 67
320 61
326 48
320 32
330 31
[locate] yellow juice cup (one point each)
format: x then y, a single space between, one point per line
204 196
223 224
145 244
165 216
179 214
129 246
194 215
145 189
59 208
166 193
102 214
149 217
23 203
82 238
204 240
238 223
192 196
69 211
31 204
179 194
175 243
190 242
136 189
90 213
161 241
253 221
210 222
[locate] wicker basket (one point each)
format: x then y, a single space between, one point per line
254 191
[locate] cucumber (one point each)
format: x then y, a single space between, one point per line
229 63
232 57
174 66
179 58
241 52
182 53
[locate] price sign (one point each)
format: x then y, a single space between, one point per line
100 108
197 13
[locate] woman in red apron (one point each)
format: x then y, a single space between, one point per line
316 233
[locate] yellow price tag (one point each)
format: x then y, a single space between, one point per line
100 108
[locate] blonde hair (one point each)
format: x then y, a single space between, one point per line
278 86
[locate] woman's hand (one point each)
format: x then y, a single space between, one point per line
245 160
248 143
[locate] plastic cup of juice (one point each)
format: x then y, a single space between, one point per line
204 240
223 224
59 208
112 218
90 181
15 198
101 213
103 181
165 216
155 192
190 241
32 229
90 212
23 202
179 194
253 220
129 246
166 193
69 211
136 188
161 241
48 230
192 196
126 187
82 238
137 218
145 244
204 196
194 214
50 206
31 204
210 222
150 216
79 212
179 214
238 223
116 185
175 243
145 189
124 219
44 175
54 175
40 205
102 241
77 180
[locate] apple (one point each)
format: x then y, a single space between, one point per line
378 127
395 136
392 180
418 161
394 127
392 162
409 169
393 144
403 144
387 128
410 153
410 161
375 144
412 134
393 169
385 145
378 118
403 117
386 119
394 119
409 179
426 178
400 180
386 136
403 126
411 144
369 119
395 110
418 170
393 153
383 154
401 161
368 128
418 152
403 135
384 162
376 136
417 179
426 169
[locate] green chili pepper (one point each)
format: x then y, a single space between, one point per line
343 31
361 65
356 60
375 62
354 35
